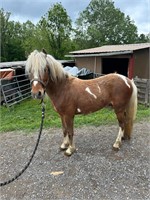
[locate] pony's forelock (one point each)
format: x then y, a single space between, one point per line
37 62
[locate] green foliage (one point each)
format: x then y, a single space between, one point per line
52 32
29 37
11 38
143 38
27 117
101 23
56 26
4 17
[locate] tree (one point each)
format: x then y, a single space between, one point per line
56 29
143 38
15 49
4 17
101 23
30 37
11 38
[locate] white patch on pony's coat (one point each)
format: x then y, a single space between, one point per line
35 83
65 142
124 78
99 89
89 91
79 110
119 138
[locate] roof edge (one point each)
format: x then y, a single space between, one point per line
99 54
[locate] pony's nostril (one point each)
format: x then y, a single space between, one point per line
39 94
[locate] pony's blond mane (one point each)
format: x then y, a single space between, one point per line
37 62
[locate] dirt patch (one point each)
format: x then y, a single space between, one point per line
94 172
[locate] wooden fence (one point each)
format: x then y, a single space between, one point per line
143 86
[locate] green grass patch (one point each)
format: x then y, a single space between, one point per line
143 113
27 116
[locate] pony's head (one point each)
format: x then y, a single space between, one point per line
43 70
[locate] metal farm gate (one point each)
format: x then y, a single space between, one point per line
13 88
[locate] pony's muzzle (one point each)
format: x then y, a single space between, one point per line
38 95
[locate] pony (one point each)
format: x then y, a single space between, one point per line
71 96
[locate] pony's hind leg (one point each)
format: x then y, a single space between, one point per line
117 144
121 120
68 144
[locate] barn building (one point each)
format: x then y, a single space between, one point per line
129 59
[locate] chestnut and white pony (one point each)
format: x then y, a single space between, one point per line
70 95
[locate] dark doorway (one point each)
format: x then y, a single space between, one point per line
111 65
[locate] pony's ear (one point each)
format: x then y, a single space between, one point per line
44 51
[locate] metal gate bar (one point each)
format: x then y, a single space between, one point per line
15 90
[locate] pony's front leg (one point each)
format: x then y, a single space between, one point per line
65 142
68 145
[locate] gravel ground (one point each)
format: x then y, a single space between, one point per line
94 172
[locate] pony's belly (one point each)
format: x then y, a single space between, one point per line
90 108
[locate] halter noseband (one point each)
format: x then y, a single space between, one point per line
42 83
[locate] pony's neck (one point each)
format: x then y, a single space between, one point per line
53 89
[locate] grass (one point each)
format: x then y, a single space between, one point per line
26 116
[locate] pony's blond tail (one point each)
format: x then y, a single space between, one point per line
131 112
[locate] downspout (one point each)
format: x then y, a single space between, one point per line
95 63
131 67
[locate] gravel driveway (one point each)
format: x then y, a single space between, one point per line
94 172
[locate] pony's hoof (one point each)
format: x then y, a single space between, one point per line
126 137
63 147
67 154
116 146
69 151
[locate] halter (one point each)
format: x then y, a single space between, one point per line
42 83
